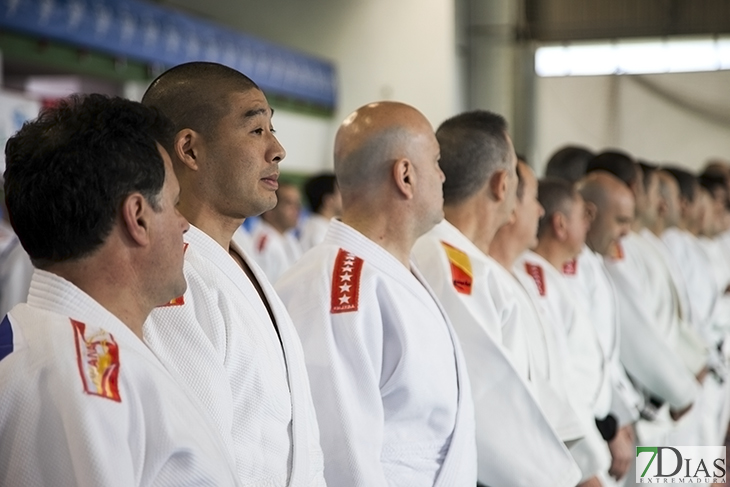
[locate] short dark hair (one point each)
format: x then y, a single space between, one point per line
554 194
68 171
195 95
317 187
473 146
617 163
685 180
648 170
568 163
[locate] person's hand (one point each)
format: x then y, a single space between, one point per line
591 482
622 450
676 415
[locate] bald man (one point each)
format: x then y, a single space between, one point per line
650 316
229 337
388 379
480 195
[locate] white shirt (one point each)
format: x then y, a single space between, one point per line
83 402
247 371
274 252
388 379
313 231
511 425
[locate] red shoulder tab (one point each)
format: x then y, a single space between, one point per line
536 272
616 252
98 360
346 282
461 272
261 244
570 268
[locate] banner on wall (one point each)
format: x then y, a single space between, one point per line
163 37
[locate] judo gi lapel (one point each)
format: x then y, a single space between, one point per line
461 458
291 349
295 370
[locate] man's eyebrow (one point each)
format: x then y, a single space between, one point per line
257 111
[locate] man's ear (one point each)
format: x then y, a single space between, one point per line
559 224
591 210
404 177
187 148
135 216
498 185
662 208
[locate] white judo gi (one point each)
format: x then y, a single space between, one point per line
274 252
248 372
516 443
388 378
657 347
595 285
83 402
313 231
590 379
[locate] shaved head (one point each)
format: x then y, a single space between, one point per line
614 205
372 138
195 95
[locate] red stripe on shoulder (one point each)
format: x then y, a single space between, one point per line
537 274
261 244
570 268
345 282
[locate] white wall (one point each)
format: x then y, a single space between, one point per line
678 118
384 49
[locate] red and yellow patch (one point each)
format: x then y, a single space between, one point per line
538 275
570 268
98 360
461 273
616 251
346 282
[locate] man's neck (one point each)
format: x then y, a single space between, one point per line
476 222
552 251
106 286
218 227
505 251
388 231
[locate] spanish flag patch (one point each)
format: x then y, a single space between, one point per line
97 355
616 251
461 273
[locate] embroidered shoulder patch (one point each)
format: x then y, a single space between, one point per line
616 252
179 301
570 268
346 282
461 273
261 244
536 272
98 361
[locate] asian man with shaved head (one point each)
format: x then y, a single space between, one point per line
388 379
229 337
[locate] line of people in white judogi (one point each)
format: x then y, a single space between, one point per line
460 323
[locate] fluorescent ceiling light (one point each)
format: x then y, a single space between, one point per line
633 57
